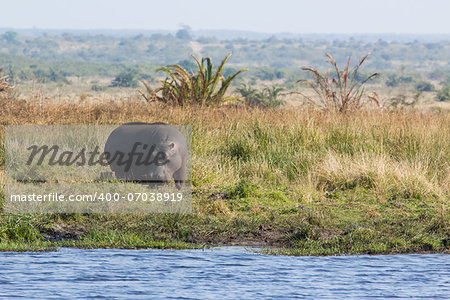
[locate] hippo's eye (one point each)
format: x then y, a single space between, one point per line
171 146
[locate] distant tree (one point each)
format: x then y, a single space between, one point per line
394 80
229 47
67 36
381 43
188 65
437 74
444 93
124 79
183 34
424 86
265 73
385 56
229 71
157 36
151 48
206 40
10 36
95 86
51 75
272 40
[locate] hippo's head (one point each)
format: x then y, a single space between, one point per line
164 162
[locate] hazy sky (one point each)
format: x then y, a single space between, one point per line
311 16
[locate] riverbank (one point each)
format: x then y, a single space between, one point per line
309 182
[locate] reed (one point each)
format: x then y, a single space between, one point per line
342 92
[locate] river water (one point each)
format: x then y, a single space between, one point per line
228 272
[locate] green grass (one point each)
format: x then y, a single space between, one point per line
124 240
35 246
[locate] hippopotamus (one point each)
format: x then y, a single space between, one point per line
152 153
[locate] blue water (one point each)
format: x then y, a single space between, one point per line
229 272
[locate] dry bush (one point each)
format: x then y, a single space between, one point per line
6 90
4 85
341 92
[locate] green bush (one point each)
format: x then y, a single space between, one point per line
266 97
266 73
182 88
444 93
97 88
395 80
124 79
424 86
51 75
183 34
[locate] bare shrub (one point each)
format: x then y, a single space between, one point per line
341 92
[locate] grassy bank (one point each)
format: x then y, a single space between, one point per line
311 183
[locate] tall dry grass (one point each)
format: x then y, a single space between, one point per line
394 155
4 85
5 88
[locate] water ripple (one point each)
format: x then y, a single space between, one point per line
229 272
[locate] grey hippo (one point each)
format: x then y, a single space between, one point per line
150 153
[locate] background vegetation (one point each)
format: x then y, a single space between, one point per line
66 57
